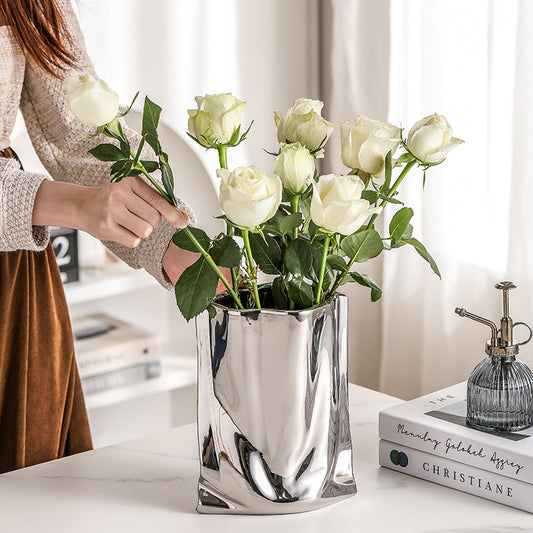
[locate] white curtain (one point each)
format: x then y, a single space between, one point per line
470 61
263 52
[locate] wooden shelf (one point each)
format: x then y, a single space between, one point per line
115 279
176 372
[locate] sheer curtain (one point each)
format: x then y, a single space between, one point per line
471 62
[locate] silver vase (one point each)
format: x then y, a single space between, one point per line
273 421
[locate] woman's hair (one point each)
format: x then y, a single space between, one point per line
41 32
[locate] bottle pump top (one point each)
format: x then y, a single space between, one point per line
501 341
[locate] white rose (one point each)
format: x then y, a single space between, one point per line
295 166
303 124
92 101
249 196
430 139
365 144
337 206
216 119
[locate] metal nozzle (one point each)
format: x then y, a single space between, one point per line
461 311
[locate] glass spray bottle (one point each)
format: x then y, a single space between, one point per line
500 388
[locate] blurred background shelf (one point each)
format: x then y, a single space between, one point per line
176 373
112 280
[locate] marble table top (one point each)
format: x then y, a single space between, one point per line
149 484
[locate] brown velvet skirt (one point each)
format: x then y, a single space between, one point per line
42 410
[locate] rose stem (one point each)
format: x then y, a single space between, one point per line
223 159
322 269
391 192
251 264
294 204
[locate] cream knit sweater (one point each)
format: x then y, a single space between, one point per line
61 143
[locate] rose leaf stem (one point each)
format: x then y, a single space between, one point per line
294 203
223 156
392 191
251 263
234 270
322 269
223 159
213 265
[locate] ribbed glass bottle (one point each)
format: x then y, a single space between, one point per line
500 395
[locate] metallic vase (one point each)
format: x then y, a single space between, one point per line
273 421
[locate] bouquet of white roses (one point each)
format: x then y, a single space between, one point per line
305 232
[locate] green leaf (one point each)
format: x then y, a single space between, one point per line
286 195
235 136
124 171
420 248
266 253
388 170
273 224
367 281
408 232
183 241
196 288
226 252
406 158
298 258
399 222
300 293
138 152
107 152
362 246
151 114
313 229
133 172
391 200
336 262
115 127
118 166
279 294
288 223
305 203
125 148
370 196
168 179
150 166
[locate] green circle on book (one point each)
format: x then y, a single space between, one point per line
394 457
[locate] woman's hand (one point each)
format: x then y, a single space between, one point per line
176 260
123 212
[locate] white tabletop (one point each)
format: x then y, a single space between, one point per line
149 484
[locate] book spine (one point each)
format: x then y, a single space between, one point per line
456 447
121 378
116 356
457 476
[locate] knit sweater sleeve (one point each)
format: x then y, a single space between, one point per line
17 196
62 144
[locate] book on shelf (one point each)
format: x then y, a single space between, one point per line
459 476
103 344
121 377
436 424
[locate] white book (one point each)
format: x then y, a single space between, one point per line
459 476
121 377
436 424
103 344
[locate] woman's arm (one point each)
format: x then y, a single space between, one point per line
62 144
123 212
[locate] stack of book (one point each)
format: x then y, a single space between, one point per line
428 438
111 353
